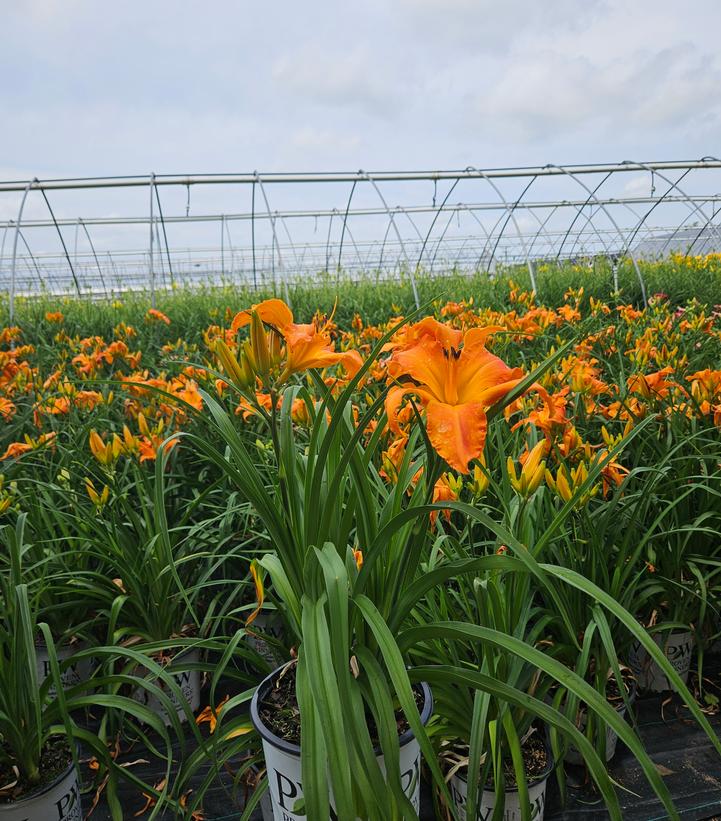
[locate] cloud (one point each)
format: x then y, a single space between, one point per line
353 78
492 27
542 94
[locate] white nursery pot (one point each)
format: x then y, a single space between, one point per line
187 680
266 807
282 761
76 672
573 755
677 646
512 808
58 801
269 623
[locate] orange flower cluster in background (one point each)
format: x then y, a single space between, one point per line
449 369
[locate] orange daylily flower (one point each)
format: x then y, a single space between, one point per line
393 458
651 385
306 346
209 715
7 409
15 449
158 316
457 379
446 489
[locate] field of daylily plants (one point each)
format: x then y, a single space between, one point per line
316 551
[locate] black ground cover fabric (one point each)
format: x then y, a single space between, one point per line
680 750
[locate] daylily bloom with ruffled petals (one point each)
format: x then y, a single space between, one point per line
457 380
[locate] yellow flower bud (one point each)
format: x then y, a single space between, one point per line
233 369
259 344
480 482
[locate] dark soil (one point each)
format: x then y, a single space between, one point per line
55 758
613 694
535 761
279 710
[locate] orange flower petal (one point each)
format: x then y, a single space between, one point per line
272 311
457 432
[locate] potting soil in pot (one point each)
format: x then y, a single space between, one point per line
56 797
538 765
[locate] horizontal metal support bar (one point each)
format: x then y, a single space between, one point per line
270 178
459 207
210 253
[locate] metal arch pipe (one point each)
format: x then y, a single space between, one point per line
511 216
252 235
541 228
165 235
634 233
499 194
222 246
589 221
489 237
95 256
230 245
615 225
32 257
705 226
290 240
686 199
440 239
399 209
591 196
702 229
395 227
2 244
433 222
272 228
342 232
327 241
383 246
150 251
11 306
62 241
447 226
690 203
355 248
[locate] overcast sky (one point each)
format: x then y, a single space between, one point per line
99 88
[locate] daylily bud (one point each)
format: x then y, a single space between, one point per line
532 471
231 366
249 357
257 577
480 482
247 369
105 454
259 344
560 485
274 344
566 484
130 444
